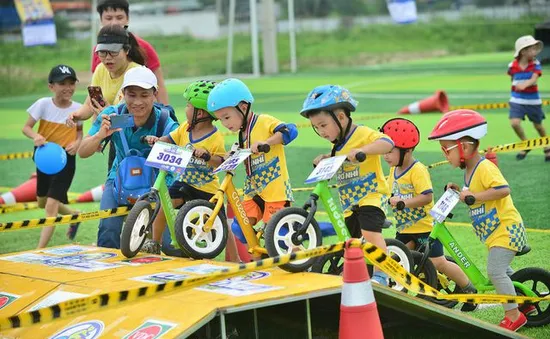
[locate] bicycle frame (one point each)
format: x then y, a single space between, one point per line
228 188
480 281
322 191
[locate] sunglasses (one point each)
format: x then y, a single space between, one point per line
447 150
103 54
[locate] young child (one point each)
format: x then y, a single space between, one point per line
363 188
267 184
495 219
51 112
525 100
197 182
410 183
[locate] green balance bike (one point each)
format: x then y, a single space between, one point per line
287 228
530 281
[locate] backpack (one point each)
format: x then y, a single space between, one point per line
133 178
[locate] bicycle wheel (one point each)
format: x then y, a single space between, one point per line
538 281
332 263
400 253
190 233
281 237
134 230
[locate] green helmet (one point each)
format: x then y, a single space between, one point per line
197 94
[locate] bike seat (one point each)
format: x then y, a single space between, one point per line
526 249
387 223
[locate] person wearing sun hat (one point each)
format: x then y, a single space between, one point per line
139 88
525 99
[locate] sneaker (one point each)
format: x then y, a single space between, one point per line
469 307
521 155
151 247
528 309
513 325
71 231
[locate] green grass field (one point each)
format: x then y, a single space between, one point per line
380 90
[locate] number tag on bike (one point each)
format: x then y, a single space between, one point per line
445 205
168 157
326 169
233 161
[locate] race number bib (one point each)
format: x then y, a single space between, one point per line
326 169
445 205
168 157
233 161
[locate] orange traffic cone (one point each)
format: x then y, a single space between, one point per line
436 103
358 312
241 248
92 195
26 192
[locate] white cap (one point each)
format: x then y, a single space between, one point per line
140 76
526 41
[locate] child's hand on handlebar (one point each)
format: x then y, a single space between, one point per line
356 155
201 153
394 200
466 192
318 159
452 186
257 147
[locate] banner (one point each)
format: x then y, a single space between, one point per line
38 24
402 11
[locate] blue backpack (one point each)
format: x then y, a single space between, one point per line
133 177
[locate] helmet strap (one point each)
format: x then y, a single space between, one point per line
244 124
402 153
463 158
195 120
343 133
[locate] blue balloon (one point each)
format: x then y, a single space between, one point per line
50 158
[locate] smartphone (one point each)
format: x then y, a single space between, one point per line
122 121
96 93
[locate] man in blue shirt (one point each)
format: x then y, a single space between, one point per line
140 89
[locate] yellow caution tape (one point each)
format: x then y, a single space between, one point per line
376 256
497 105
19 155
65 219
524 145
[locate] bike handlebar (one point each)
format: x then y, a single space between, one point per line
360 156
142 139
470 200
400 205
264 148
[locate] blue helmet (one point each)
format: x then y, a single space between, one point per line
228 93
328 97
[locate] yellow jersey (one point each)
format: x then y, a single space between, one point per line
198 173
362 184
496 222
412 182
111 88
268 176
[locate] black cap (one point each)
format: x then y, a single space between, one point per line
60 73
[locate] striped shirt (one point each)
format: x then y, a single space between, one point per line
529 95
52 121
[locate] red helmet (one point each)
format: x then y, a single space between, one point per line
403 132
458 124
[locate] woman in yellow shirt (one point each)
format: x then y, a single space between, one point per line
118 51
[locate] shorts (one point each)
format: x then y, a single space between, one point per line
420 239
533 112
367 218
57 185
259 209
182 190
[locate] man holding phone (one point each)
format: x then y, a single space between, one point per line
135 118
117 12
